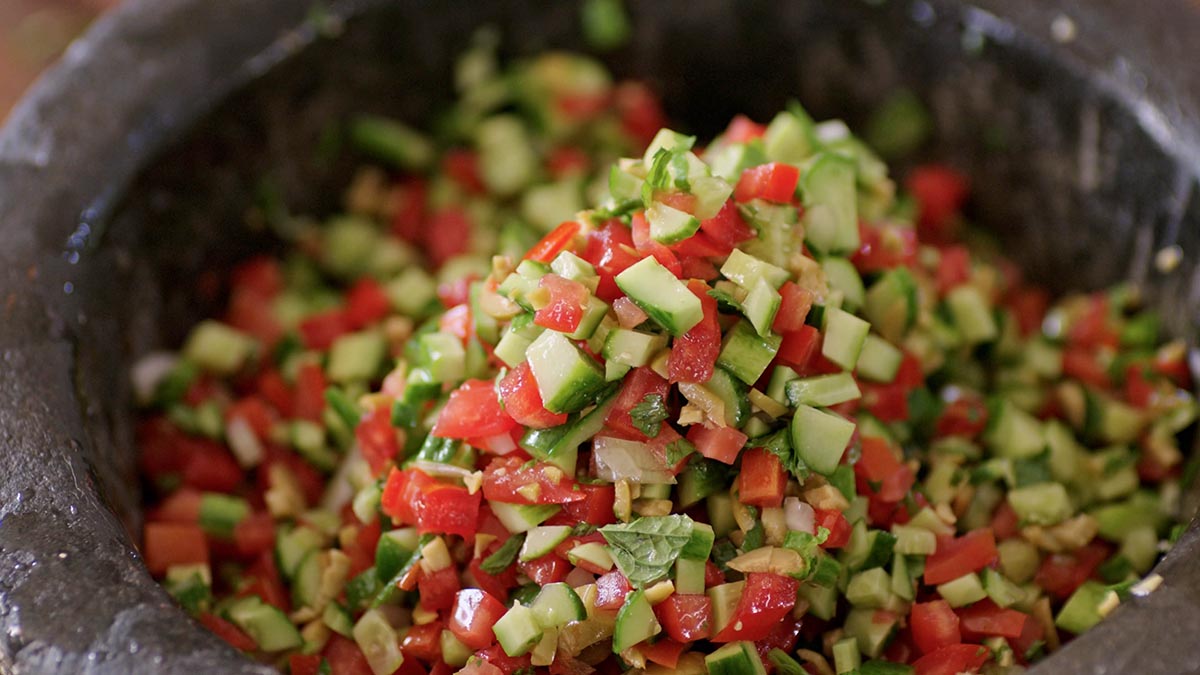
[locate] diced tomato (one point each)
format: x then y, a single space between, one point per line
262 579
481 667
245 313
727 227
611 590
523 402
743 130
793 309
448 509
474 613
1083 365
954 268
720 443
1172 364
361 547
508 665
181 506
639 228
276 391
629 315
774 182
610 250
1061 573
965 416
401 493
1032 633
685 617
423 642
255 412
455 293
345 658
227 632
320 330
762 479
1092 327
258 276
884 247
580 106
698 268
766 599
836 523
565 161
640 112
984 618
462 166
638 384
255 534
309 402
694 354
568 299
882 470
495 584
713 576
596 507
510 480
408 222
438 588
1139 390
940 192
952 660
448 235
377 438
472 411
310 480
888 402
783 635
366 303
934 625
1005 523
955 557
166 544
665 652
1028 305
210 467
699 245
304 664
797 347
457 322
561 238
548 569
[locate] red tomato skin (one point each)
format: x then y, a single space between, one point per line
463 167
377 439
506 479
727 227
611 590
762 480
940 191
523 402
951 660
743 130
568 299
168 544
665 652
304 664
255 534
547 569
1061 573
955 557
366 303
318 331
639 383
934 625
473 411
447 235
439 588
720 443
228 632
694 354
345 658
423 642
984 618
835 522
610 250
596 507
766 600
797 347
309 401
448 509
558 240
793 308
685 617
774 182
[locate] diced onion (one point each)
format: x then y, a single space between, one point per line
440 470
617 458
244 444
500 444
800 516
580 577
149 372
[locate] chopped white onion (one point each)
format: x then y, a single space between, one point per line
800 516
617 458
500 444
352 474
149 372
243 442
439 470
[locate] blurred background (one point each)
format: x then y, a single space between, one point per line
32 34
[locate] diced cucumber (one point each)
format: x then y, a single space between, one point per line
962 591
844 337
724 598
789 137
267 626
391 141
972 314
1082 610
699 546
443 356
1041 504
870 588
556 605
631 347
338 620
823 390
777 387
220 513
744 270
720 513
733 393
761 305
635 622
669 225
378 641
879 360
871 629
1019 559
218 348
903 585
592 552
507 162
689 576
292 545
356 357
661 296
830 204
667 139
745 353
512 347
1002 591
545 206
1108 420
567 378
822 600
846 657
542 539
820 438
623 185
1012 432
891 304
454 652
518 630
570 266
593 315
842 277
518 518
735 658
914 540
307 581
702 477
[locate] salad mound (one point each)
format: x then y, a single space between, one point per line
565 391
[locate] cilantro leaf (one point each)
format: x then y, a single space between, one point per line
504 556
649 415
645 549
677 450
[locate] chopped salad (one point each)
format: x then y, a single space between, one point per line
567 391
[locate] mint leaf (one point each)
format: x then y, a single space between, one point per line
504 556
646 548
677 450
779 444
582 529
649 415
